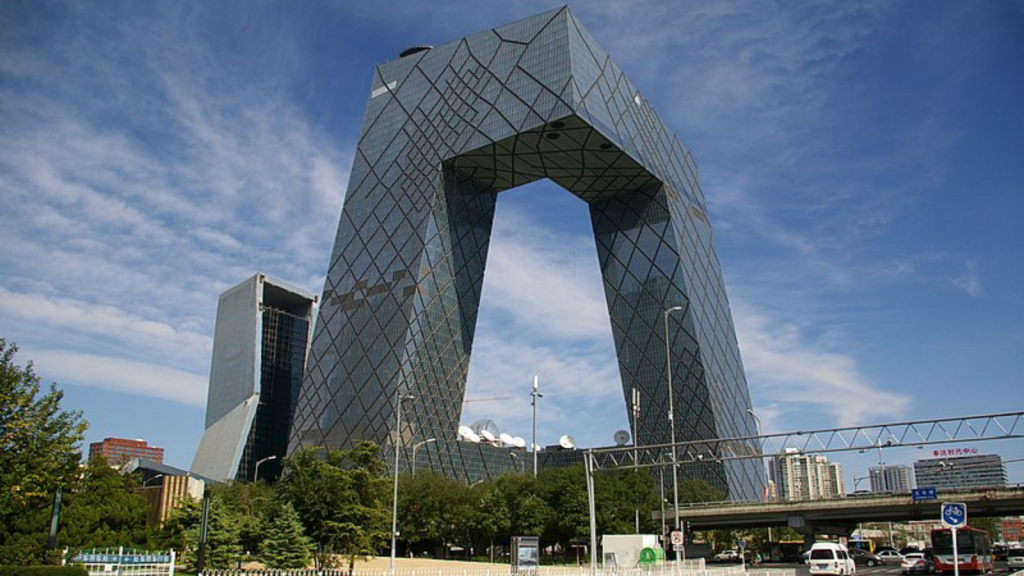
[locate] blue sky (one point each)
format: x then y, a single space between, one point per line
862 163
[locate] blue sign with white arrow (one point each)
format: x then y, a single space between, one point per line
954 514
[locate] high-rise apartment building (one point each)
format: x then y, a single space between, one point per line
119 450
891 478
807 477
958 472
447 129
259 353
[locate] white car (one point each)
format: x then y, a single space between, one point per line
727 556
1015 559
831 558
917 563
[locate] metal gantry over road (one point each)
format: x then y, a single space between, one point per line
916 433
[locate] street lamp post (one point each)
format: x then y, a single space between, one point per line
535 394
394 502
767 485
672 423
256 469
146 483
416 447
661 485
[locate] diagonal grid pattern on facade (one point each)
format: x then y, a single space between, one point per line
445 131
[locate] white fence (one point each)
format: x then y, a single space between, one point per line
689 568
121 562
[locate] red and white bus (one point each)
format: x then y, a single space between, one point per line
972 546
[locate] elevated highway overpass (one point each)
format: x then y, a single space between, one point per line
840 516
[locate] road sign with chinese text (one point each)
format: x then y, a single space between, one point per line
920 494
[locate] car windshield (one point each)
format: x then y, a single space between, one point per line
913 556
1016 552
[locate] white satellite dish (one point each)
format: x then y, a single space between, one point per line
519 442
567 442
621 437
466 431
487 435
506 439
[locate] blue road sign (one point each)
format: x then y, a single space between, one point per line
920 494
954 514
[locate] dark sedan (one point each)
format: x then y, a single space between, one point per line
864 557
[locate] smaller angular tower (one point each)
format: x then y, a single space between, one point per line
259 351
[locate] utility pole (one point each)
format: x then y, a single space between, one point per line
535 394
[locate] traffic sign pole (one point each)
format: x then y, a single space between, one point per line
956 555
954 517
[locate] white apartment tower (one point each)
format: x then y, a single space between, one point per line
803 477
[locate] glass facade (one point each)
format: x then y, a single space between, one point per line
445 131
259 352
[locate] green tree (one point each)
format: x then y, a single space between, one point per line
342 499
181 532
286 545
990 524
39 452
434 508
102 509
493 517
248 506
565 491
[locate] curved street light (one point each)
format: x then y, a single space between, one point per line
256 470
394 502
416 447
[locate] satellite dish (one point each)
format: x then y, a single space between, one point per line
507 439
487 435
466 432
519 442
621 437
567 442
486 424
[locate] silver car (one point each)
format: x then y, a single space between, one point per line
890 556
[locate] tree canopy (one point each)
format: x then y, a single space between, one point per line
40 450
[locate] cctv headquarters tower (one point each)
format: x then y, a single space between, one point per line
446 130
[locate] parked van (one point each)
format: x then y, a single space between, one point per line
831 558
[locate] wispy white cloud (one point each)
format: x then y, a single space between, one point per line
112 324
791 374
119 375
970 282
141 181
